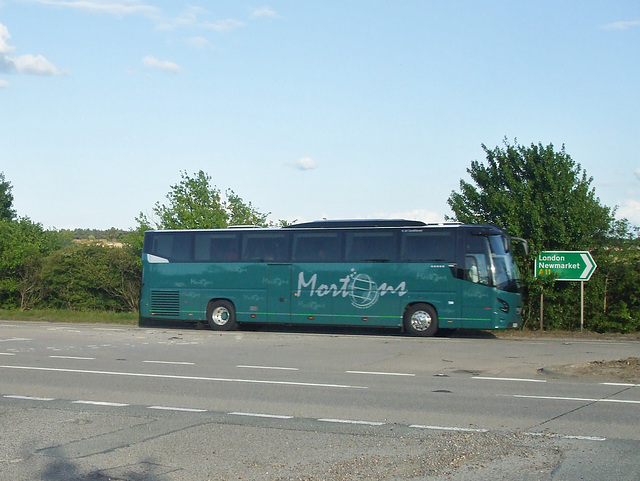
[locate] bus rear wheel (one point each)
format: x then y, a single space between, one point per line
221 316
421 320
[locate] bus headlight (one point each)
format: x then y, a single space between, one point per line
504 306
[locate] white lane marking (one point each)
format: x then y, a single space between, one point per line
378 373
579 399
260 415
563 436
170 408
485 378
187 378
450 428
351 421
7 354
74 357
584 438
16 339
270 367
180 363
100 403
623 384
107 329
29 398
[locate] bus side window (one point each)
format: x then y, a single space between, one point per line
428 246
172 247
216 247
316 247
371 247
477 263
265 247
471 269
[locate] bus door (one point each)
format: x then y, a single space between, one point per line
278 292
478 297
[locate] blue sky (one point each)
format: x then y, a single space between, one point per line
336 109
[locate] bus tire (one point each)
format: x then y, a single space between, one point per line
420 320
221 315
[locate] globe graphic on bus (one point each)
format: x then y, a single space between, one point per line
363 291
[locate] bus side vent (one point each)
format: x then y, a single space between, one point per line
165 303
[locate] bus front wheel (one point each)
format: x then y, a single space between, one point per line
421 320
221 316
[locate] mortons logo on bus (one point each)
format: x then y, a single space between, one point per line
361 288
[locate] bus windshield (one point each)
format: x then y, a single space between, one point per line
504 270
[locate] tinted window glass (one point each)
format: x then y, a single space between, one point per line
216 247
316 247
265 247
371 247
173 246
429 246
477 263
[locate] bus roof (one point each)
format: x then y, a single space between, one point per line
326 224
350 224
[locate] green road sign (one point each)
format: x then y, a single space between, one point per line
568 266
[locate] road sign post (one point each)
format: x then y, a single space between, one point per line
567 266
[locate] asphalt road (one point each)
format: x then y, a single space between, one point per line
85 402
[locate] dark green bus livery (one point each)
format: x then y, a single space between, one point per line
385 273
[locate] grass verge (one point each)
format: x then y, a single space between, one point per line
64 315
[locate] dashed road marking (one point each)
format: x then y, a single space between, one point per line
578 399
351 421
378 373
261 415
100 403
564 436
450 428
78 358
324 420
172 408
29 398
179 363
275 368
515 379
622 384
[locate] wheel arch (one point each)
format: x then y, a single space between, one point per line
431 311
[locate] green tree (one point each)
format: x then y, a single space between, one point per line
195 203
241 213
6 199
23 247
615 285
542 195
92 275
535 193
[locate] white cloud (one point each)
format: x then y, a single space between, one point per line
630 209
304 163
623 25
4 40
223 25
4 84
24 64
35 65
187 18
264 12
164 65
198 42
110 7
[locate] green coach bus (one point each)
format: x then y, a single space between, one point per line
385 273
